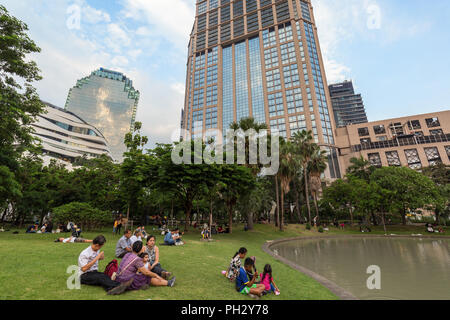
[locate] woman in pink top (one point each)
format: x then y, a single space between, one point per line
267 280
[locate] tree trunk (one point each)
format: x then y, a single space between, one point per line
128 218
4 213
374 219
188 207
404 217
351 215
315 205
384 223
210 219
277 220
230 217
297 203
282 209
307 193
250 220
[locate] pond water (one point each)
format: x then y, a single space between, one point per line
410 268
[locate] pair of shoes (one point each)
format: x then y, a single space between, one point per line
277 293
120 289
171 282
253 296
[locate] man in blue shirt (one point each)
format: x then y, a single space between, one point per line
246 286
174 238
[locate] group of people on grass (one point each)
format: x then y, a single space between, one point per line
246 277
139 269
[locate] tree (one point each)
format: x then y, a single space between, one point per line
304 148
409 189
246 124
360 168
340 196
316 167
19 104
286 173
133 169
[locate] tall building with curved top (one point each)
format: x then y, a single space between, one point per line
107 100
65 136
260 59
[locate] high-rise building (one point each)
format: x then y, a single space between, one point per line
65 136
260 59
107 100
348 107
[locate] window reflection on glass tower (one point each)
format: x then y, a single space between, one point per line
260 59
107 100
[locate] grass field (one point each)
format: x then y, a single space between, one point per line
33 267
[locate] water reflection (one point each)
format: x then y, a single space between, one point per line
410 268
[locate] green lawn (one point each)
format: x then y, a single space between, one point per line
33 267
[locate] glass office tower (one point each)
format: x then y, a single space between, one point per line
260 59
107 100
348 107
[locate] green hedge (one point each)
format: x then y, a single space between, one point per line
83 215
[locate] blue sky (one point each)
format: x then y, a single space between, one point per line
395 51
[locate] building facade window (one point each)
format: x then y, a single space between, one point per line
297 124
393 159
380 129
227 102
256 80
414 125
436 132
432 122
280 125
294 101
211 118
447 149
211 96
276 107
433 155
242 110
291 78
375 159
362 132
412 156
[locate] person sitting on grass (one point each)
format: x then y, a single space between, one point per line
248 286
235 264
88 269
267 280
132 264
153 252
33 228
73 240
124 245
205 233
173 238
137 236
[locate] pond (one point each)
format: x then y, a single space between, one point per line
409 268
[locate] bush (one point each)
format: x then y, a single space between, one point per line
308 226
82 214
321 229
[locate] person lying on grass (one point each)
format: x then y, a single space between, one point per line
247 286
235 264
73 240
88 269
153 253
132 268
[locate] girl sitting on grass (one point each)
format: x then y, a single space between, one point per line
267 280
235 264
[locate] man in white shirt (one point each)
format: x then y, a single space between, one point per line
89 275
136 237
124 245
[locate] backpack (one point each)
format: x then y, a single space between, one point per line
111 269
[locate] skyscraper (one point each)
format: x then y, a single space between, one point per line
107 100
260 59
348 107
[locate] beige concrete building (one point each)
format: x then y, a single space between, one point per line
415 141
260 59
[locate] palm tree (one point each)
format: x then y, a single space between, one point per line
360 168
286 173
304 148
316 166
244 125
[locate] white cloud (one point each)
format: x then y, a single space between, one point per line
172 19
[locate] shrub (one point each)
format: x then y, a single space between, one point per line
82 214
308 226
321 229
